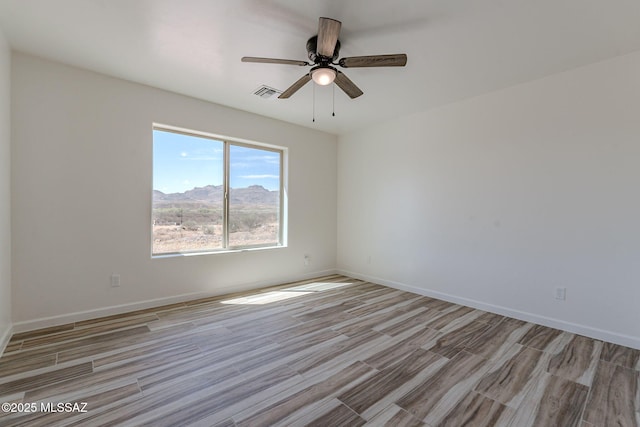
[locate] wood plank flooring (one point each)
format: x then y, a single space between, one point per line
332 351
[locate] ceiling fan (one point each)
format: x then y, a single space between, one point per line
323 50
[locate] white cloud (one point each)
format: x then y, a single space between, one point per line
209 158
264 176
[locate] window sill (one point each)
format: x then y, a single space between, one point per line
222 251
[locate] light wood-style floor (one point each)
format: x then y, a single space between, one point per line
328 352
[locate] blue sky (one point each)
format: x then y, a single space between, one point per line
182 162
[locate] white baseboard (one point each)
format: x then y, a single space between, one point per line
46 322
612 337
5 337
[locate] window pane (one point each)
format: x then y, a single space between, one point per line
254 196
187 193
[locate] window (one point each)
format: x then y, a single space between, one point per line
213 194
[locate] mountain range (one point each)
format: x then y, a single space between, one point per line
213 195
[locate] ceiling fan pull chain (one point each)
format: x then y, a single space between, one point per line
333 106
314 103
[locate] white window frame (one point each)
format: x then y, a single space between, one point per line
227 143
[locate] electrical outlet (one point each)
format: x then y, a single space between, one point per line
115 280
307 260
561 294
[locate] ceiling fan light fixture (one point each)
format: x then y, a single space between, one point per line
323 76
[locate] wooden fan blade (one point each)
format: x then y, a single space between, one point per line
273 61
395 60
347 85
295 87
328 32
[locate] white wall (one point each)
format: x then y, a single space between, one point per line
82 158
5 193
497 200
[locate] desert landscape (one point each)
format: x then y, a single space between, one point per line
192 221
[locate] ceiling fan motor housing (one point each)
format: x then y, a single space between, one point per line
312 48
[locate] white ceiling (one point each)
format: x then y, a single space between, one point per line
456 48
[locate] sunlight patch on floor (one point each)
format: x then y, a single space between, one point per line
285 294
318 286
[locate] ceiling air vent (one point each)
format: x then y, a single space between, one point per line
266 92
